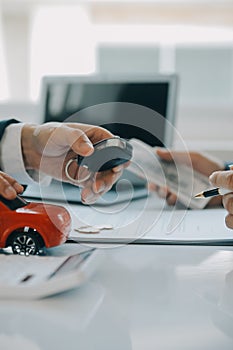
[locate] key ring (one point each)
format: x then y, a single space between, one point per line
76 181
108 154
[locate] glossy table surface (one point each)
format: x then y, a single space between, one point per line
140 298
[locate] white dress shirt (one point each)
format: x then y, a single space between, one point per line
11 158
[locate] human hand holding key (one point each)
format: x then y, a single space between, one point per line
111 153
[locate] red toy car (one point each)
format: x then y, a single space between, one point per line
29 227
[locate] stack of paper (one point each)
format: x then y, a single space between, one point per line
148 225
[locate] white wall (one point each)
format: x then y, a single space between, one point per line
204 115
17 54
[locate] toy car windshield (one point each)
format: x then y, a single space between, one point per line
14 204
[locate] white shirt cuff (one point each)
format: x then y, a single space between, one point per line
11 158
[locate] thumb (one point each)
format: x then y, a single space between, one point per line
78 141
222 179
174 156
164 154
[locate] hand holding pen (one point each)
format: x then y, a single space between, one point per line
199 162
223 181
213 192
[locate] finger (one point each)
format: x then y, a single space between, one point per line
229 221
9 188
222 179
77 140
152 187
19 188
57 138
102 183
120 167
163 153
163 192
171 199
94 133
174 156
227 201
88 196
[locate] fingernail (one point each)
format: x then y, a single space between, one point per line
9 191
89 199
86 145
211 177
19 188
118 168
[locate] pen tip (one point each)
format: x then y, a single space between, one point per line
199 195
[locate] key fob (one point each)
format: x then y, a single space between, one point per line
107 154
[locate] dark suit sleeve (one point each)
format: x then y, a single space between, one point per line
4 124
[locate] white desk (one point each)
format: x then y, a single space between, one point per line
141 298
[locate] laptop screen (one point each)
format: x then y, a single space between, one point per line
64 97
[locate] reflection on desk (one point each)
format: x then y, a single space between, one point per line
141 298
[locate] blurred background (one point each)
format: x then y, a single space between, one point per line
192 38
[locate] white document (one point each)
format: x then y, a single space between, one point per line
35 277
144 223
180 178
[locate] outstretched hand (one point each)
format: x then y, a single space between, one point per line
200 162
50 146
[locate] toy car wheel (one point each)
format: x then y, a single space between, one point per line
26 243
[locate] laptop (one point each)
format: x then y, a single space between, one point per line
129 106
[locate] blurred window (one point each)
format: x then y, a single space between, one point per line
4 91
61 42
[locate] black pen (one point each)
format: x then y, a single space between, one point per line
212 193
